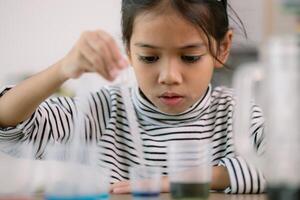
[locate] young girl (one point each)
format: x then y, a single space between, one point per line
173 47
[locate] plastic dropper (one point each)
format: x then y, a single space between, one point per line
131 115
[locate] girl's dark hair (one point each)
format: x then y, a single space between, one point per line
210 16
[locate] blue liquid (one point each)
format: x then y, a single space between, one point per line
104 196
145 194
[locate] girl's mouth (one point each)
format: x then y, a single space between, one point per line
171 99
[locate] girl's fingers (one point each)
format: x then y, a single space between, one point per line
95 51
88 53
124 187
121 188
14 198
96 62
120 184
165 184
113 57
101 49
116 56
106 45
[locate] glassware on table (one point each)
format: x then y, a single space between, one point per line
78 179
275 82
17 173
189 165
145 182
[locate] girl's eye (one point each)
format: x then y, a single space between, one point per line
190 59
148 59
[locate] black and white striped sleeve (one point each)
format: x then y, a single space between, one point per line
52 120
245 177
55 120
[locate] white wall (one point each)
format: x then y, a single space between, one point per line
252 15
36 33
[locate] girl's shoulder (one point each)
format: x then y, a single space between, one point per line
110 92
224 94
4 89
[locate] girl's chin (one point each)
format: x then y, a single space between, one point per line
172 110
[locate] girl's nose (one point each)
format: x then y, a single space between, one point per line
170 74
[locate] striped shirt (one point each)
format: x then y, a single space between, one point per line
106 123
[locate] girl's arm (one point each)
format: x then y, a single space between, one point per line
20 102
244 176
94 52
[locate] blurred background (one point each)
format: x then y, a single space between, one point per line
35 34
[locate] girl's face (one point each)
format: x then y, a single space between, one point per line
171 60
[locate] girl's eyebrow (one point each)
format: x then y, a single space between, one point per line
144 45
193 46
198 45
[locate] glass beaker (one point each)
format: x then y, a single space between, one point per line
145 182
189 169
17 173
82 180
279 93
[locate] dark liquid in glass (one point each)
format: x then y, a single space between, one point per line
283 192
187 191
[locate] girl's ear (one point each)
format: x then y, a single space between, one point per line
224 49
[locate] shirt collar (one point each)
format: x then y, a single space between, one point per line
147 111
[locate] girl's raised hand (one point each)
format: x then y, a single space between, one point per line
95 51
